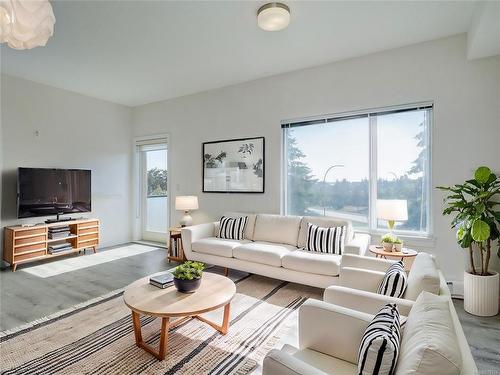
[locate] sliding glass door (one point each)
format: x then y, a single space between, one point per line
154 192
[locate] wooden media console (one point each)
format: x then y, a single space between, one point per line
28 244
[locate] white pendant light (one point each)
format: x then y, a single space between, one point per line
25 24
273 16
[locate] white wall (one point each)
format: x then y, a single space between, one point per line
466 129
75 131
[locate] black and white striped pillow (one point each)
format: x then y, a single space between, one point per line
325 240
379 348
395 281
232 228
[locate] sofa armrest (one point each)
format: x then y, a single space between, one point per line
194 233
278 362
359 278
363 301
331 329
369 263
358 245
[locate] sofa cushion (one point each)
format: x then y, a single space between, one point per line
277 228
250 222
394 282
232 228
429 341
262 252
216 246
328 240
423 276
379 348
323 222
318 263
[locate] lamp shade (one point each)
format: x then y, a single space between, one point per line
392 209
186 202
25 24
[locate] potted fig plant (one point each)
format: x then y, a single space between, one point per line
187 276
474 205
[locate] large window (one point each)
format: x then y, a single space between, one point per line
340 165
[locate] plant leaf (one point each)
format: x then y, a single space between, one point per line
480 231
482 174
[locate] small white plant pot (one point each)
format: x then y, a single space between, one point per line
398 247
387 246
481 294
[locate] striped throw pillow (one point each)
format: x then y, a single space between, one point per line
325 240
232 228
395 281
379 348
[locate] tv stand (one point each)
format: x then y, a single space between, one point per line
28 244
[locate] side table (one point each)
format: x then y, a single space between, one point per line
175 250
404 255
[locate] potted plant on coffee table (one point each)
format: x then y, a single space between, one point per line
477 220
187 276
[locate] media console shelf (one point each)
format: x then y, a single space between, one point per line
28 244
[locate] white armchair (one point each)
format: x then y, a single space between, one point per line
329 338
330 335
360 278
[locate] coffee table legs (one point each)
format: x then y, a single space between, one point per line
165 326
225 321
165 323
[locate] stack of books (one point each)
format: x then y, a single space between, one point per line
163 280
57 248
59 232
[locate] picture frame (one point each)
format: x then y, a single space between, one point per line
234 166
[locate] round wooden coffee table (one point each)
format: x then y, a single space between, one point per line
145 299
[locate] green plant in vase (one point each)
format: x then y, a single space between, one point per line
474 205
187 276
391 243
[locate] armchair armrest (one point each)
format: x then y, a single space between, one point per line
363 301
194 233
331 329
369 263
358 245
359 278
279 362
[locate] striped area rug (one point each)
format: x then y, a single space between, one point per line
98 339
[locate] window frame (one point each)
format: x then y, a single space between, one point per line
371 115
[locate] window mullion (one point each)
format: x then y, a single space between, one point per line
372 220
284 173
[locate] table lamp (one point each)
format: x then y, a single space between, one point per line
186 203
392 210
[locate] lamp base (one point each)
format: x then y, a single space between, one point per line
186 220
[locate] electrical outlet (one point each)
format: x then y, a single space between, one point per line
450 286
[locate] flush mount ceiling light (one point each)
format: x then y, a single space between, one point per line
25 24
273 16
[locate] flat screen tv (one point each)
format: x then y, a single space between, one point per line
44 191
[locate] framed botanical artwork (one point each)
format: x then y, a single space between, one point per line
234 166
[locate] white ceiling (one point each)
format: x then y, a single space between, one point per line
136 52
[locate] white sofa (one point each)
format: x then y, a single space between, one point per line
273 247
330 331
